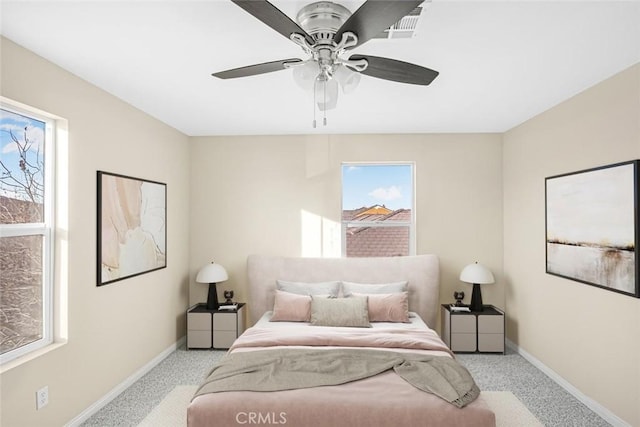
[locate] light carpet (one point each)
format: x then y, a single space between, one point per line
172 411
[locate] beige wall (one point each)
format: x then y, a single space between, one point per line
116 329
589 336
480 197
253 195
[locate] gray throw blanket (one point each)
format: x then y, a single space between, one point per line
288 369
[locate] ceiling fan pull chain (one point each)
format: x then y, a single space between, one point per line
315 82
324 119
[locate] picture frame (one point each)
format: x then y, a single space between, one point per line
131 227
592 227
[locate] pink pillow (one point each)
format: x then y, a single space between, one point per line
290 307
388 307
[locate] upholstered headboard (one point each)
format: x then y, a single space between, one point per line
421 271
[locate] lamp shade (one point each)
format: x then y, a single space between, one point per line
476 273
212 273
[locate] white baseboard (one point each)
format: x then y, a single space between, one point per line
603 412
101 403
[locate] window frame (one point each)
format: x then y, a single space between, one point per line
46 229
344 225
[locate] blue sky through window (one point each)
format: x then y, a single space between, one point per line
13 123
370 184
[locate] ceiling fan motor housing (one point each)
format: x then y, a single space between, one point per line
322 20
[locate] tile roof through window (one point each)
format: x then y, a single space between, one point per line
377 241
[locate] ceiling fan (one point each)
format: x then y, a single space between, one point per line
326 31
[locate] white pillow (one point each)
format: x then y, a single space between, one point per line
349 288
321 288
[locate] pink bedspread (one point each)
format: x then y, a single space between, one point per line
405 339
382 400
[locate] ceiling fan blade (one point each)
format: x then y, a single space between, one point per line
252 70
374 16
273 17
397 71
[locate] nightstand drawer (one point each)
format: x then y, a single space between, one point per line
225 322
492 343
199 339
463 342
490 324
463 323
199 321
224 339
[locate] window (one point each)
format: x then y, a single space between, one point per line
26 230
378 214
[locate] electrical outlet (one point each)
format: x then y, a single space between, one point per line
42 397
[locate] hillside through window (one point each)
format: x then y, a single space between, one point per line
25 231
378 209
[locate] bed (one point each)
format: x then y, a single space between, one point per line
387 398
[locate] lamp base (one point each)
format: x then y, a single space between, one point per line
476 298
212 298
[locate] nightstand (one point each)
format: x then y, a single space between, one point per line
214 328
476 331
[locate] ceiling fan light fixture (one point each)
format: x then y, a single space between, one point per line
348 79
326 92
305 75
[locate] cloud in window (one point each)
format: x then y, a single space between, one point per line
387 194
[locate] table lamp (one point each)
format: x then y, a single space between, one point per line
476 274
212 273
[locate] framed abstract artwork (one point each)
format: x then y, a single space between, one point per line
592 229
132 227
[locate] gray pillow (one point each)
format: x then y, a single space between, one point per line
321 288
340 312
349 288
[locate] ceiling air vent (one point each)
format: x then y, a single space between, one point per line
404 28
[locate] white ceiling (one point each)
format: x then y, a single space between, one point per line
500 62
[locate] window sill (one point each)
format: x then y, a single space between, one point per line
5 367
